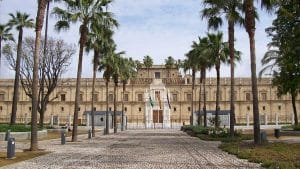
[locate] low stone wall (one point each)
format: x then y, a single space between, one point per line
24 135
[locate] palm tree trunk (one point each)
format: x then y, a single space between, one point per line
83 32
200 116
106 118
35 79
204 98
115 108
17 79
122 120
295 109
217 96
93 97
232 85
250 28
192 104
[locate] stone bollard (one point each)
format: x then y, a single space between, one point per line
90 134
63 137
11 149
7 135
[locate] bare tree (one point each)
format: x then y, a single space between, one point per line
55 61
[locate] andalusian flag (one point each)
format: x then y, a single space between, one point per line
151 102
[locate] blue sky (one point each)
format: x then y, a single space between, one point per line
158 28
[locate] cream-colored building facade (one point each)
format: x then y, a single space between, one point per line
168 90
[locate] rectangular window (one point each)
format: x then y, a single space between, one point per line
175 97
63 97
95 97
174 108
109 109
78 108
189 108
110 97
81 97
264 108
157 75
62 108
29 108
189 97
126 97
94 108
140 97
125 108
264 96
248 97
1 108
140 109
1 97
279 107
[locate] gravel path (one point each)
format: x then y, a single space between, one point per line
134 149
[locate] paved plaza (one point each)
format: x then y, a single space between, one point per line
133 149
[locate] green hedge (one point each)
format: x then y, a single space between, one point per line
15 128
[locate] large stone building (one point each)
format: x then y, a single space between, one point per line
156 97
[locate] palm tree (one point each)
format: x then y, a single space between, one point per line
115 64
200 50
231 10
85 12
35 79
218 53
169 64
148 62
19 21
99 39
191 63
105 65
128 67
5 35
250 16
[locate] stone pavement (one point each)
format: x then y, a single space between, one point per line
134 149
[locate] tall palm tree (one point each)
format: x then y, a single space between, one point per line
218 54
191 63
35 79
200 50
105 65
85 12
19 21
250 16
5 35
148 62
128 67
232 10
115 63
99 39
169 64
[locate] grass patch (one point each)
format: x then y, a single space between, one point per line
271 155
14 128
20 156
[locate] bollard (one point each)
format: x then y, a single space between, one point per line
277 133
63 137
90 134
11 148
7 135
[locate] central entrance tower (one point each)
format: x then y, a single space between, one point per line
158 112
